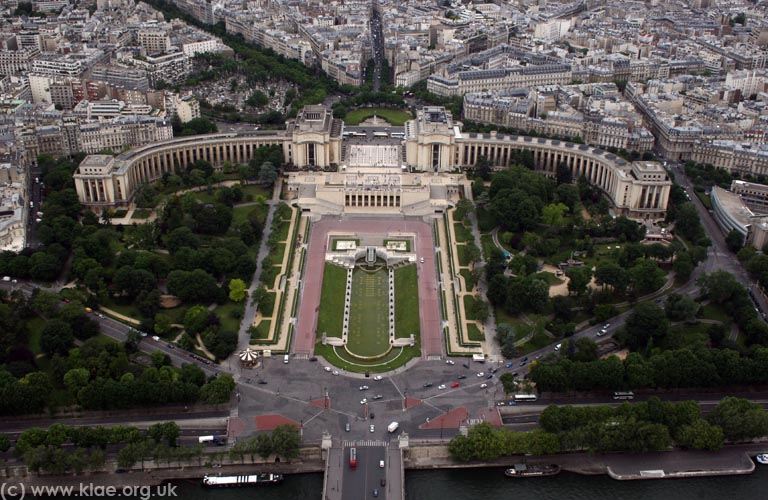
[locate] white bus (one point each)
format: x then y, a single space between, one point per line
526 397
623 395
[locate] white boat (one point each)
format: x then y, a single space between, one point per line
763 459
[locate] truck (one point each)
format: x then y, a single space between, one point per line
478 358
210 440
392 427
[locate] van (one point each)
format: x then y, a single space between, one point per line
285 359
558 346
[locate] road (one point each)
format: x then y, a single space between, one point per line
377 40
361 482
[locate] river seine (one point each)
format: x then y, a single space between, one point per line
491 484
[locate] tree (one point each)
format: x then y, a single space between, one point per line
483 168
740 419
701 435
734 240
267 174
680 307
508 382
237 290
218 390
286 441
612 275
75 379
472 252
163 324
646 276
719 286
568 194
579 278
687 222
563 174
56 337
181 237
646 321
263 445
552 214
196 319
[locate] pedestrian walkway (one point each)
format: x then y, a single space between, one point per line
281 319
456 345
119 316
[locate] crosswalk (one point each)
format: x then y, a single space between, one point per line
301 356
434 358
358 444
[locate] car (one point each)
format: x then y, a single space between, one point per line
514 374
327 368
427 385
489 376
523 363
155 338
441 387
143 334
481 374
383 481
171 346
373 428
606 326
450 362
381 464
263 382
493 370
364 401
509 364
363 387
347 427
465 365
602 332
375 492
335 372
483 386
421 260
454 385
372 415
378 378
511 403
501 403
462 377
538 356
377 397
525 358
313 358
98 314
558 346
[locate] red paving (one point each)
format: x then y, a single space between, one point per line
269 422
490 415
320 403
411 403
236 427
431 336
450 420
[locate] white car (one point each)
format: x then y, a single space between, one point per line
602 332
481 374
363 401
373 429
378 377
558 346
327 368
363 387
441 387
483 386
450 362
155 338
335 372
606 326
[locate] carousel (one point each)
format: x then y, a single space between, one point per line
249 358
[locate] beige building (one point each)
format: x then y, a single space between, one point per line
433 144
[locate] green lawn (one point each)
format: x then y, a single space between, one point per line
262 330
462 233
242 213
469 307
406 302
141 213
716 312
474 333
256 190
461 252
227 314
267 305
486 240
393 116
468 279
368 314
35 325
282 230
705 200
548 277
119 214
331 317
538 341
393 360
687 336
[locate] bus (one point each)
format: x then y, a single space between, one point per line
623 395
526 397
353 458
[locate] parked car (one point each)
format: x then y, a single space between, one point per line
441 387
483 386
363 387
427 385
373 429
449 362
454 385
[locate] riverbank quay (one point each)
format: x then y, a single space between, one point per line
731 460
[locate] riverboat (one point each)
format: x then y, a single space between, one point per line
763 458
525 470
246 480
